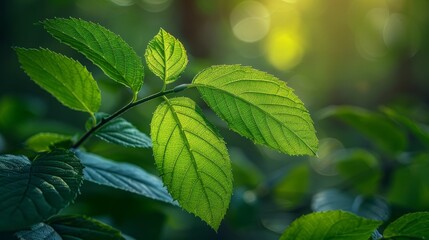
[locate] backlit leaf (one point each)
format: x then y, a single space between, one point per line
258 106
166 56
120 131
42 141
124 176
330 225
35 191
66 79
103 47
409 226
192 159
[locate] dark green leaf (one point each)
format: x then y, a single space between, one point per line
39 231
43 141
66 79
383 133
192 159
330 225
293 187
410 226
409 186
258 106
74 227
359 169
123 176
368 207
35 191
104 48
121 132
166 57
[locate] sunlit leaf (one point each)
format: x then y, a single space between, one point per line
409 226
123 176
166 57
104 48
74 227
258 106
121 132
330 225
368 207
43 141
39 231
383 133
192 159
35 191
66 79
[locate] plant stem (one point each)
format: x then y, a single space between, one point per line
124 109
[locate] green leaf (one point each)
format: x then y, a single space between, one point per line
121 132
383 133
368 207
258 106
409 226
409 184
293 187
43 141
66 79
166 57
39 231
74 227
359 169
124 176
192 159
35 191
104 48
332 225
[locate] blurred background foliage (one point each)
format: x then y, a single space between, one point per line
372 55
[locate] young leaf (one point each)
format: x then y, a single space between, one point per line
42 141
121 132
192 159
369 207
66 79
39 231
123 176
258 106
166 57
409 226
104 48
330 225
34 191
74 227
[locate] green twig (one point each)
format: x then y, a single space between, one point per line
124 109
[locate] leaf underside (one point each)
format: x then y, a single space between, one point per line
35 191
258 106
66 79
166 57
39 231
332 225
124 176
192 159
120 131
103 47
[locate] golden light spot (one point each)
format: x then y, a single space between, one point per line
284 49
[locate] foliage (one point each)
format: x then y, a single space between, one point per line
189 152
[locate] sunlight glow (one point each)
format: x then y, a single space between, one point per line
250 21
284 49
